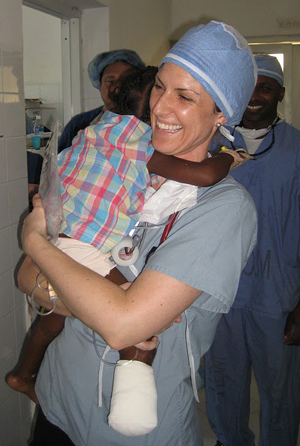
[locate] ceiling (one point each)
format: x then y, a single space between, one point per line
64 9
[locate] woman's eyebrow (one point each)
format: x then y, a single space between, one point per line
179 88
187 89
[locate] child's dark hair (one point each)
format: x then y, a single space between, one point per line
134 94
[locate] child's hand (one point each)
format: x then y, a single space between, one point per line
240 156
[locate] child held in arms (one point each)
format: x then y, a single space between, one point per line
104 177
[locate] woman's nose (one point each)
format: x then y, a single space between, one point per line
162 104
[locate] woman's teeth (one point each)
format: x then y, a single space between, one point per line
168 127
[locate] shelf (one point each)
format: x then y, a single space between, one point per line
42 135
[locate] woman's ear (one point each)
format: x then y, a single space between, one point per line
221 119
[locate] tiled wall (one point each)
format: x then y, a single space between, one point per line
14 407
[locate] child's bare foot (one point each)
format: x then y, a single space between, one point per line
23 384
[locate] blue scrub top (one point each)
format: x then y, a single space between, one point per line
207 249
270 281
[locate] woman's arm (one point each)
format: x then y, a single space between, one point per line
206 173
122 317
27 276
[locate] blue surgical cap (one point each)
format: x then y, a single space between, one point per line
269 66
219 58
97 65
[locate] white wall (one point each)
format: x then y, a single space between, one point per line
42 47
251 18
267 21
296 86
141 25
95 39
43 62
14 407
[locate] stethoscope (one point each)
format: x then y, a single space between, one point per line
136 243
263 152
126 252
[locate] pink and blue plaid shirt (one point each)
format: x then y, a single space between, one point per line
104 178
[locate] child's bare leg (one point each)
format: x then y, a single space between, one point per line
41 334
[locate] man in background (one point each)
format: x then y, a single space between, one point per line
262 329
106 72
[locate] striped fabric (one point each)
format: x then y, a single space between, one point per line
104 179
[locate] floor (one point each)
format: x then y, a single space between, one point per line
209 436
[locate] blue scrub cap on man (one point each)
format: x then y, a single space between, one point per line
97 65
269 66
219 58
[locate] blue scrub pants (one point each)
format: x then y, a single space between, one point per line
244 339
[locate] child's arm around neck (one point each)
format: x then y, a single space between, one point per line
205 173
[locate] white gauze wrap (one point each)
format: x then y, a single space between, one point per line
133 407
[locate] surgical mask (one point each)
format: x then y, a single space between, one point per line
169 198
257 134
252 133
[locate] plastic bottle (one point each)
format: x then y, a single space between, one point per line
38 127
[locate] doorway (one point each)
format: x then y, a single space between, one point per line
42 64
51 66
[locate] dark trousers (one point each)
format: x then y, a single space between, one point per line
47 434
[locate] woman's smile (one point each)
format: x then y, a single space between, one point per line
168 127
183 114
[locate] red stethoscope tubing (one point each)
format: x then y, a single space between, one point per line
168 227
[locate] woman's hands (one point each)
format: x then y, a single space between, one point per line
144 351
151 343
27 276
34 224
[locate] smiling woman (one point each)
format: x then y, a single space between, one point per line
184 116
178 279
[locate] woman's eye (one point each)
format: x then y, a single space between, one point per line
185 98
157 87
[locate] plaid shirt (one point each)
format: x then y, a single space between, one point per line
104 179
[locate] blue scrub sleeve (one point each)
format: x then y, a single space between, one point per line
210 244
